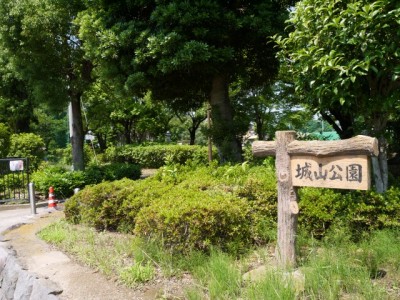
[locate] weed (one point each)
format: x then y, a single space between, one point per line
137 273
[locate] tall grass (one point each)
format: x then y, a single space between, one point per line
335 268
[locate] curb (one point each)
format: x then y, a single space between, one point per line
18 206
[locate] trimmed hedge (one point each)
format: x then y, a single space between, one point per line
113 205
98 206
190 219
64 182
230 207
359 211
156 156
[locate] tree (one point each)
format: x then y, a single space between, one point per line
40 40
16 107
344 59
192 121
183 49
51 127
4 140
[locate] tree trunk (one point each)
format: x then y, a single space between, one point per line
380 167
346 129
287 202
192 133
127 132
223 129
102 140
260 130
380 164
76 133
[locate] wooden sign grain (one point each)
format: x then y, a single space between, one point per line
337 164
341 172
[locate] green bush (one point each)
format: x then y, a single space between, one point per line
227 206
64 155
367 210
359 211
319 209
27 145
108 172
113 205
99 205
155 156
5 136
142 194
189 219
10 181
64 182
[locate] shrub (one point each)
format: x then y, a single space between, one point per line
359 211
96 174
319 209
155 156
5 136
64 155
228 206
142 194
64 182
113 205
27 145
368 210
187 219
99 205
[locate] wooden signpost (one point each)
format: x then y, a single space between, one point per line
335 164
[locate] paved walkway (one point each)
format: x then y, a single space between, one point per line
18 228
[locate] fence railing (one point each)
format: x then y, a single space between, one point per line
14 180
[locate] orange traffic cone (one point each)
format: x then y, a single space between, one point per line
52 198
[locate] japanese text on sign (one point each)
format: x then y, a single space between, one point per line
335 172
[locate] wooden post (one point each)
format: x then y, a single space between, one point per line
287 202
334 164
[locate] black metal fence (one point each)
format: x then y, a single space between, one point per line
14 180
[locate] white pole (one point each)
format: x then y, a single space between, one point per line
31 192
70 120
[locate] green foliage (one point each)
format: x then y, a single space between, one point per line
221 275
231 207
319 208
27 145
359 211
5 136
64 182
64 155
100 206
366 211
190 219
108 172
156 156
113 205
335 271
343 59
137 273
176 51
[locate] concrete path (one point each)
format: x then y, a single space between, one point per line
12 217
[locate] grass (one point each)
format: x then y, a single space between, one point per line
334 268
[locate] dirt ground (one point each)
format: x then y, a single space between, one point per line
76 281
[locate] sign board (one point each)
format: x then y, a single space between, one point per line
16 165
341 172
339 164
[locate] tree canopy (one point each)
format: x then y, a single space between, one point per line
185 51
41 52
345 61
